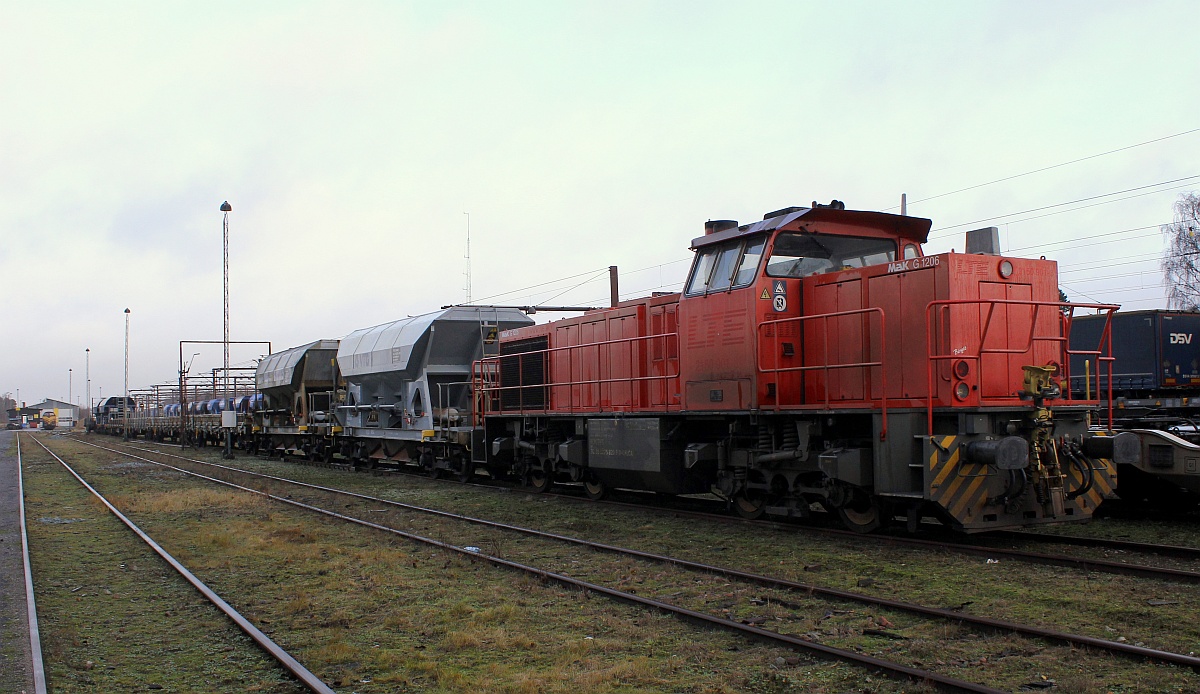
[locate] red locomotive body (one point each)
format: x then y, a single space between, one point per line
815 356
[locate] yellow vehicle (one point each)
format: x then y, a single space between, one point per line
49 419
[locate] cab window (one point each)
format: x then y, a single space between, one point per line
725 266
803 254
748 268
722 275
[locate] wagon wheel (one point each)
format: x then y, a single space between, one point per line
594 487
464 468
429 465
750 504
327 455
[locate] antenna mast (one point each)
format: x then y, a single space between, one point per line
468 272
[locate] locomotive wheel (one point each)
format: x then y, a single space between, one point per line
538 477
750 504
594 488
862 515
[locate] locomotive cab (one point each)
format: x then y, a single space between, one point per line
731 291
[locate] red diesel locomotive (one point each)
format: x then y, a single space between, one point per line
817 356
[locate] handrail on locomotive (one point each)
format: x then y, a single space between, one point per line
1065 313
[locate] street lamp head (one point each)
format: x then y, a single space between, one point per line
126 310
225 207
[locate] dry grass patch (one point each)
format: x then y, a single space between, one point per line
337 652
300 604
184 500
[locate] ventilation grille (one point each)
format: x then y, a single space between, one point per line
528 372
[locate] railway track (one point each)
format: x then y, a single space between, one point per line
942 682
954 544
953 616
37 666
1177 551
276 652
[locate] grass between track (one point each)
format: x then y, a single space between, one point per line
113 615
361 606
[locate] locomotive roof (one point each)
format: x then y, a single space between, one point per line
388 347
912 228
279 368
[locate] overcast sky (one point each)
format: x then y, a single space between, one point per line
351 138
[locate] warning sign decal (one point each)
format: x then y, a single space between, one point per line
779 300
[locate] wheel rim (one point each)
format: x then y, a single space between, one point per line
594 488
539 479
430 464
466 470
749 505
863 519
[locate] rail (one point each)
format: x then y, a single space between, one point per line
487 374
1064 312
825 367
307 678
35 638
925 677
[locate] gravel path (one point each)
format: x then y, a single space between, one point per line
15 670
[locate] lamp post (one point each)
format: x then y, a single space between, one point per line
71 386
226 209
88 377
125 405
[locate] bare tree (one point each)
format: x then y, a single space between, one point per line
1181 259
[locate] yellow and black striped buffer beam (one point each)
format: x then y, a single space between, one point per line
963 489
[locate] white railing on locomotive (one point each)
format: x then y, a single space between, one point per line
1064 311
772 326
638 400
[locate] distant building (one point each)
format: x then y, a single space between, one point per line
64 413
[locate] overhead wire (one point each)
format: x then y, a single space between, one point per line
594 274
1090 236
1048 168
594 277
541 284
1073 202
